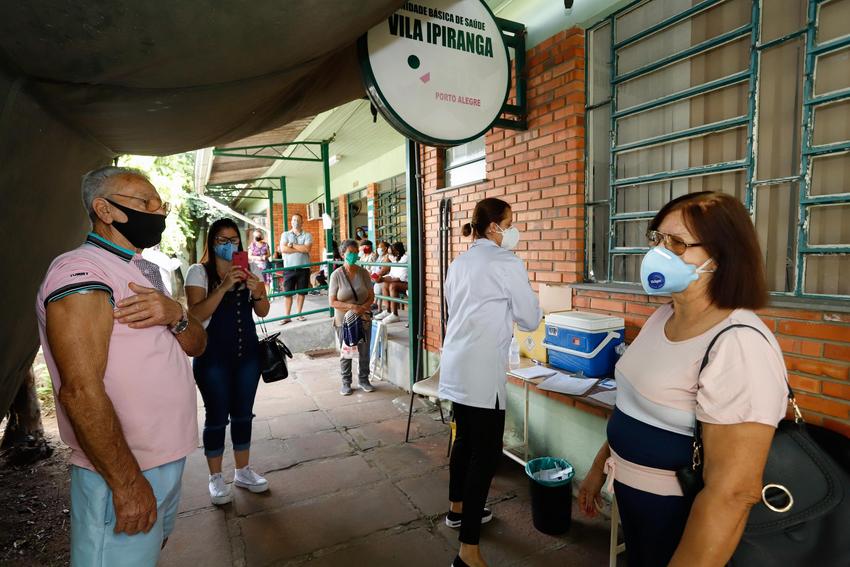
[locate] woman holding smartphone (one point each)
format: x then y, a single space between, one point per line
225 297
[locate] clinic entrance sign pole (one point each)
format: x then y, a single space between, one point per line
437 70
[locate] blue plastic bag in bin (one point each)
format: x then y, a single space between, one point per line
549 471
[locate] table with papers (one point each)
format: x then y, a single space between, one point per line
599 392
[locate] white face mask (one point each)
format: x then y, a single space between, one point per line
296 223
510 237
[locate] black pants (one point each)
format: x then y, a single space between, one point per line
476 453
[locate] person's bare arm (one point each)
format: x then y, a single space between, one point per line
589 498
258 294
149 308
79 328
735 456
303 248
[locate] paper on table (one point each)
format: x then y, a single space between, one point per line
606 397
567 384
534 372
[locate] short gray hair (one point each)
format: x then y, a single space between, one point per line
95 183
346 244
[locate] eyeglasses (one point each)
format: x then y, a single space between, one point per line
151 205
222 240
671 242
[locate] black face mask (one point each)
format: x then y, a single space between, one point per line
142 229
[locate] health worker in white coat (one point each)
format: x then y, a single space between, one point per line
486 290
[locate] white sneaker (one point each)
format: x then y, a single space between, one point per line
220 492
391 318
247 478
382 315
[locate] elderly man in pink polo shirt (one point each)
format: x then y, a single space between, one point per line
116 345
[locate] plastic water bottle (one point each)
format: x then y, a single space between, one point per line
514 358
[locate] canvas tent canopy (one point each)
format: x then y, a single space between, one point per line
82 82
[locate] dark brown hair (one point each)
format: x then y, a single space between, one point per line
486 211
723 226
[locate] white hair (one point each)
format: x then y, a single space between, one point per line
96 182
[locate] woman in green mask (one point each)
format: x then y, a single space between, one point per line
350 290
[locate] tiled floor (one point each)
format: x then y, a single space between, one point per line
346 490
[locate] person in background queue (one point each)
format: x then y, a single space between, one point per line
393 284
705 253
295 247
258 255
351 290
487 290
225 298
115 343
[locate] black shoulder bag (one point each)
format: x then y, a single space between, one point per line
804 514
273 355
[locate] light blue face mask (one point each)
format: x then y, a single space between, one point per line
663 272
225 251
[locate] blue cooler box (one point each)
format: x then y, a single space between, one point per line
583 343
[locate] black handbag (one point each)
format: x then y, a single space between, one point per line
273 355
802 518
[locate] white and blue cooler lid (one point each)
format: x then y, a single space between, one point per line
582 321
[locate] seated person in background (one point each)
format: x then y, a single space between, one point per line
366 252
393 284
321 277
382 254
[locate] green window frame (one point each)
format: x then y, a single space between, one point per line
808 260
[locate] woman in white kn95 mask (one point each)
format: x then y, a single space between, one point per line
486 291
705 362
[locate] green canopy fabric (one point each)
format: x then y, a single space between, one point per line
81 82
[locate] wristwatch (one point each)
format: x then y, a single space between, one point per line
182 324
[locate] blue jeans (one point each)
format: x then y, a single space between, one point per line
228 388
94 542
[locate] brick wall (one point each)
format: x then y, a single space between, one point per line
342 205
541 173
314 227
372 199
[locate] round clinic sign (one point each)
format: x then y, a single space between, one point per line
437 70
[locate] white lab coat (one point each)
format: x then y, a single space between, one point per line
486 290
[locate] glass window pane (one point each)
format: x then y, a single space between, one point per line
597 243
832 72
627 267
832 20
631 233
781 17
600 65
469 173
827 274
465 152
599 122
653 196
719 147
710 23
832 123
716 63
779 110
830 174
722 104
776 225
647 15
829 224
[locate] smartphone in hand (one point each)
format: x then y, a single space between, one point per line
240 259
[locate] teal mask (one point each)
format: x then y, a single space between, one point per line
351 258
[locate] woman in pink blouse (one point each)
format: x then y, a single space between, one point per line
705 254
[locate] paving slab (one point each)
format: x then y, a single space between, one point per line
330 399
429 492
366 412
411 548
302 528
299 424
318 446
391 431
273 406
411 459
307 481
185 547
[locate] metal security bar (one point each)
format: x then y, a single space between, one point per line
619 244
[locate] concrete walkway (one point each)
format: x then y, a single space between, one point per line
346 490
